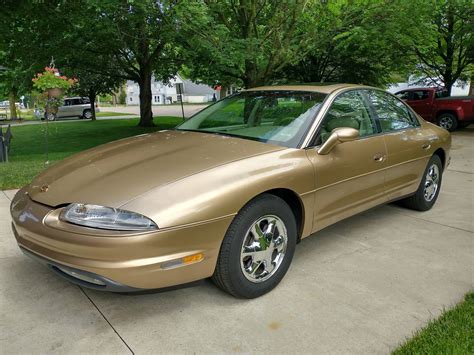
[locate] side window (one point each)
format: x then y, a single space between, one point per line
403 95
347 110
420 95
392 113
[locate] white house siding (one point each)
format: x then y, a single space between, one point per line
164 93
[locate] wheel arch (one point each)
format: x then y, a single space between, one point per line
295 203
451 112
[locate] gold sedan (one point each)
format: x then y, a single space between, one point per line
230 192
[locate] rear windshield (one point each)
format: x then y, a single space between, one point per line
276 117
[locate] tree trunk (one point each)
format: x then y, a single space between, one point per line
448 85
12 99
92 96
471 86
223 92
146 114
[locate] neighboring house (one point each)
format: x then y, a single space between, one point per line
166 93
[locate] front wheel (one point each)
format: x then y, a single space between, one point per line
448 121
50 116
257 249
428 191
87 114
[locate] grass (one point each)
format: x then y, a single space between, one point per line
451 333
28 148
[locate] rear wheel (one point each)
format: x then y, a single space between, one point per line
428 191
447 121
257 249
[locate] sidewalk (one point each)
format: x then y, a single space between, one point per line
360 286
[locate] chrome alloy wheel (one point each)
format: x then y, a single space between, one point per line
263 248
446 122
431 183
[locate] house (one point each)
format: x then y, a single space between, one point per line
166 93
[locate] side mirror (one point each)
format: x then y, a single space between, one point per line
339 135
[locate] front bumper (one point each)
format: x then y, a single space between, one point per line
121 263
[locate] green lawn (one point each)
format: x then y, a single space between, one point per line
28 148
452 333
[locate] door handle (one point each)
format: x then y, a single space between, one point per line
379 157
426 146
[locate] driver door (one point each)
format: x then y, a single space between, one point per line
350 178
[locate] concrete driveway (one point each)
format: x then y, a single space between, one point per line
361 286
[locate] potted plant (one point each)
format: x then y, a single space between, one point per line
53 85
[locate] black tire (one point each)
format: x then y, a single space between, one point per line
50 116
229 274
447 121
87 114
418 201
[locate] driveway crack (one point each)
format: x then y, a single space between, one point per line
108 322
9 199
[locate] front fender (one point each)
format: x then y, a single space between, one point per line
222 191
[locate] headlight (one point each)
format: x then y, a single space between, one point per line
106 218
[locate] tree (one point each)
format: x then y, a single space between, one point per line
138 38
244 41
91 85
355 41
16 62
447 53
108 39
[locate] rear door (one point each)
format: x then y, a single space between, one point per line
77 107
408 147
349 179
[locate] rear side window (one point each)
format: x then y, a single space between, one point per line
392 113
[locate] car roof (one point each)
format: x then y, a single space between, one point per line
74 97
319 87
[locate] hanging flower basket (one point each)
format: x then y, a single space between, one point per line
51 79
55 92
53 85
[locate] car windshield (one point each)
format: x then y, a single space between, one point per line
277 117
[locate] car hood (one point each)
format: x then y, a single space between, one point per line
116 172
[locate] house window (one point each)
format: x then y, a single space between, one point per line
157 98
131 99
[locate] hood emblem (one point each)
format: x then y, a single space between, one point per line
44 188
